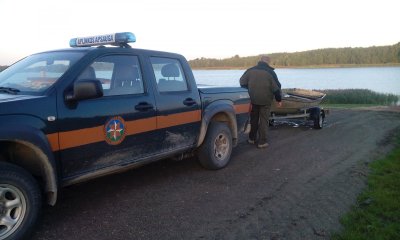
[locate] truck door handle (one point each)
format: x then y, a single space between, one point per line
189 102
144 106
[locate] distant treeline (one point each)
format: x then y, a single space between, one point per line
3 67
329 56
358 96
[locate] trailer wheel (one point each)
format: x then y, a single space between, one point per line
215 152
20 202
319 120
271 122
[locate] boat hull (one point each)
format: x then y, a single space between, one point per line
296 101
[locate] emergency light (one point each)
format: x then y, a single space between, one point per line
119 39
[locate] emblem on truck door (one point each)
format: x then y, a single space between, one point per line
115 130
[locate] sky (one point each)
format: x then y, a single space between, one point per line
202 28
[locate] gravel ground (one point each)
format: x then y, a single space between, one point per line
297 188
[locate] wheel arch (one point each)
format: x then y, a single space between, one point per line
220 111
29 148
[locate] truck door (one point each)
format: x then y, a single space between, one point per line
178 104
116 129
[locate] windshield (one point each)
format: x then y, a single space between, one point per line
36 73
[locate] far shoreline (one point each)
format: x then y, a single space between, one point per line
306 67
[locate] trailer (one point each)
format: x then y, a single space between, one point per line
300 104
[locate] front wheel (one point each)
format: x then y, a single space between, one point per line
20 202
215 152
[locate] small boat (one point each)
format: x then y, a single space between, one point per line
296 100
298 104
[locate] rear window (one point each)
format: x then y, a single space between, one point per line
168 74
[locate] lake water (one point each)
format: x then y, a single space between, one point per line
378 79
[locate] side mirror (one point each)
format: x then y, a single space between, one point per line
85 89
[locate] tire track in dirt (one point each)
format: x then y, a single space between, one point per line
308 205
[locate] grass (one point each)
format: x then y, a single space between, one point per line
348 106
358 96
377 212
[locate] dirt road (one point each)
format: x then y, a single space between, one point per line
297 188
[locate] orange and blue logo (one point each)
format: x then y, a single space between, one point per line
115 130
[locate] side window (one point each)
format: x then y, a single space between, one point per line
169 75
119 74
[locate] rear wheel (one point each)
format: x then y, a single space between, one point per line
215 152
20 202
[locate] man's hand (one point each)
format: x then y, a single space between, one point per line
279 104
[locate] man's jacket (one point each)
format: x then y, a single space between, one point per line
262 83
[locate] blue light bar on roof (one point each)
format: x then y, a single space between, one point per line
113 39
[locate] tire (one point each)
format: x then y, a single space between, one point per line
318 120
271 122
20 202
215 152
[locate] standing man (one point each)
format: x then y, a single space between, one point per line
263 84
